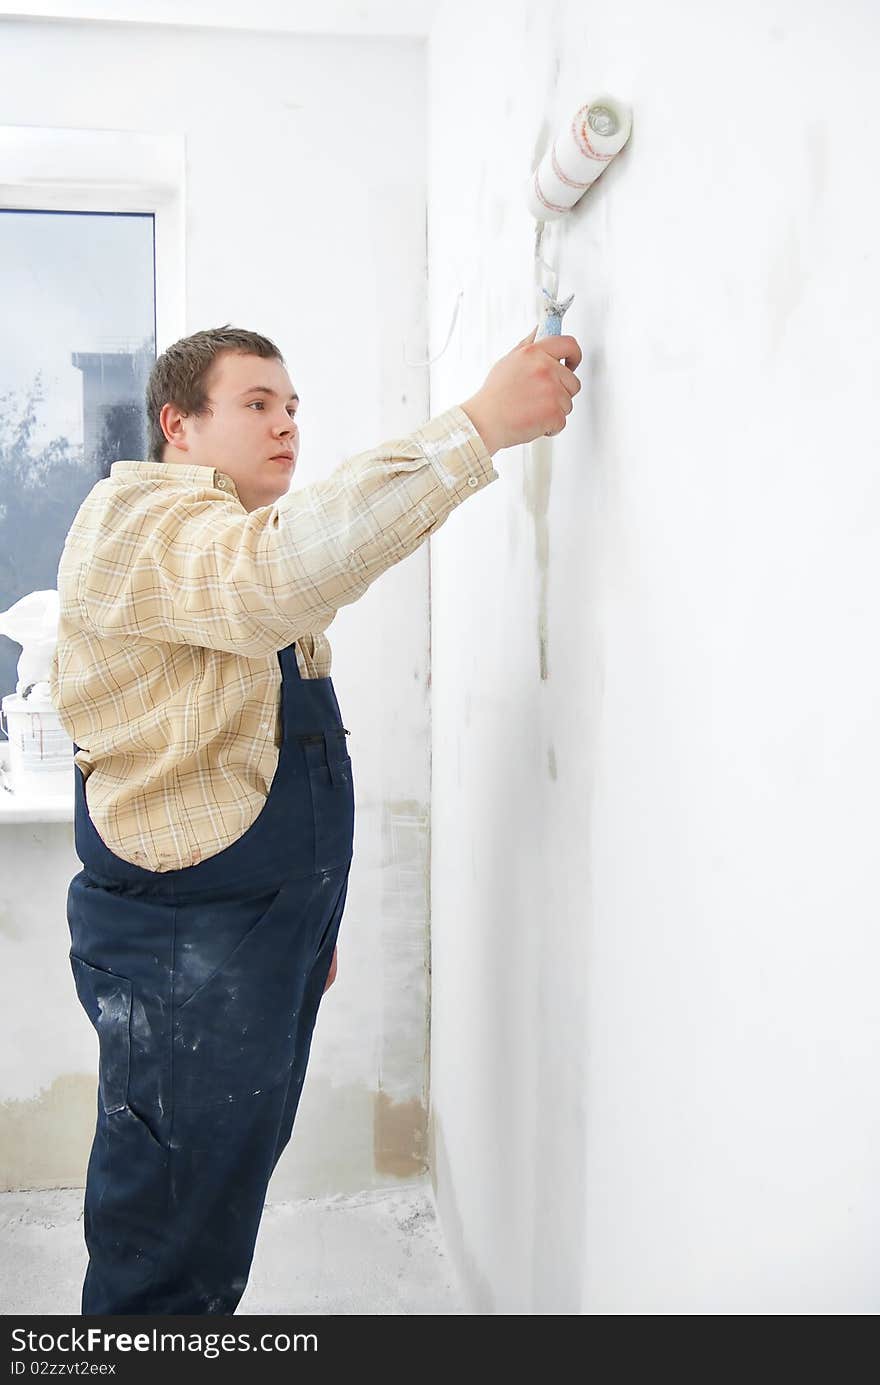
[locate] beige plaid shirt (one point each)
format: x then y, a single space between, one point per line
174 601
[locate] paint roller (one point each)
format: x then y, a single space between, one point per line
579 152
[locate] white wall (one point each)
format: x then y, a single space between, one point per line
655 1035
305 220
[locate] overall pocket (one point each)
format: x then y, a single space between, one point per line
234 1036
331 787
106 1000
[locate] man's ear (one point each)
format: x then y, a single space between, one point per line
171 421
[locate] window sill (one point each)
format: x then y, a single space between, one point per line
30 807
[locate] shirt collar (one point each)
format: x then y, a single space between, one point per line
208 476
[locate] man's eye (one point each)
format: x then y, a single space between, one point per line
261 402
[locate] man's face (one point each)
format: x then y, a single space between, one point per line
252 404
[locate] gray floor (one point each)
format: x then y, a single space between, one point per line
369 1253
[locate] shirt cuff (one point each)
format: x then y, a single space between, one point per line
457 453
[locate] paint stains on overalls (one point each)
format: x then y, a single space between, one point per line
203 984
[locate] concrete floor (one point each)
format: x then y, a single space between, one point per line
372 1253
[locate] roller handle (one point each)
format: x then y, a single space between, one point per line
553 313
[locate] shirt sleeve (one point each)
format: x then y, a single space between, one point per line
194 568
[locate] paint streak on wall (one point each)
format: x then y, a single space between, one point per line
537 478
45 1141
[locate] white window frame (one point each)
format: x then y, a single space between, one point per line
48 168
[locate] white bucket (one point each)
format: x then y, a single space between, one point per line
40 750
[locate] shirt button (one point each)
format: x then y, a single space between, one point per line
472 481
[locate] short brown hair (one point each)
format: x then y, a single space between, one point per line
180 375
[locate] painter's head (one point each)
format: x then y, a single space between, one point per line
223 398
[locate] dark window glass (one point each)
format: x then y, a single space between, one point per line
77 341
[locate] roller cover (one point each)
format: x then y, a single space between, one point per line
579 152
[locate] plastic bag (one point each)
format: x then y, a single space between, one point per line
33 623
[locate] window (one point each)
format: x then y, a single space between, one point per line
92 285
77 341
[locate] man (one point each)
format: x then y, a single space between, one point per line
214 796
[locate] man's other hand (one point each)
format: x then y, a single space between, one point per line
331 975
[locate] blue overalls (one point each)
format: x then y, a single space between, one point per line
203 985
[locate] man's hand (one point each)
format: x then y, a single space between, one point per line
331 975
527 393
